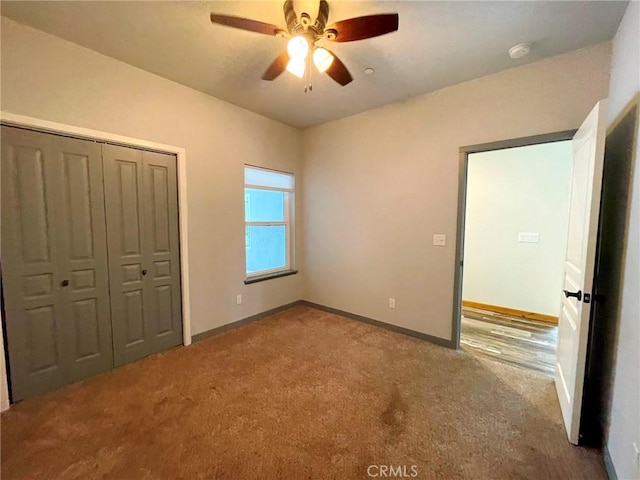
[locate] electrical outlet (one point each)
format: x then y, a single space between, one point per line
392 303
238 299
440 240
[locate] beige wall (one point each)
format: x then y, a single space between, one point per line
378 185
624 417
524 189
52 79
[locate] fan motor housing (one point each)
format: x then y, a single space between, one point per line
313 31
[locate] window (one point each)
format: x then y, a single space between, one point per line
268 204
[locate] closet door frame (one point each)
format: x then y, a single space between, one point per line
46 126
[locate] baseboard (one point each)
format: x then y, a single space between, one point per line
511 311
394 328
243 321
608 464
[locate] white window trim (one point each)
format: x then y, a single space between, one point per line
286 222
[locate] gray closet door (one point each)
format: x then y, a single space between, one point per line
142 232
54 262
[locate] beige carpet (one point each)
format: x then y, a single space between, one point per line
300 395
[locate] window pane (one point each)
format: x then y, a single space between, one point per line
265 247
263 205
267 178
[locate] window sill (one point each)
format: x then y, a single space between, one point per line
269 276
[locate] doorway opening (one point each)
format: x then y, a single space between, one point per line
514 215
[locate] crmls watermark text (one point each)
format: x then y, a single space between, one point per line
392 471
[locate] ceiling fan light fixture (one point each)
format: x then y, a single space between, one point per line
322 59
298 47
296 67
306 35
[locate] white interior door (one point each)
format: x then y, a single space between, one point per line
573 328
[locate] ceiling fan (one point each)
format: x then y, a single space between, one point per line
304 35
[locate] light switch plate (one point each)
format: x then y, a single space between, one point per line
440 240
528 237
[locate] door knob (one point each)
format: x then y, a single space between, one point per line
577 294
64 283
144 272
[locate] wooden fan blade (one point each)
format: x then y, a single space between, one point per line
338 71
244 24
278 66
323 14
360 28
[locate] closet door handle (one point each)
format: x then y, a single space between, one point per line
64 283
144 272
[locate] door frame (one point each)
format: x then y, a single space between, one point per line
56 128
462 203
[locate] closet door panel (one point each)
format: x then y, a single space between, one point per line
162 249
53 261
83 245
123 181
34 329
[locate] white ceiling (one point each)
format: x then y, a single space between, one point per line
438 44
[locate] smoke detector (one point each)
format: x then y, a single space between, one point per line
519 50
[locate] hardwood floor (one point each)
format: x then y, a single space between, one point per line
529 344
